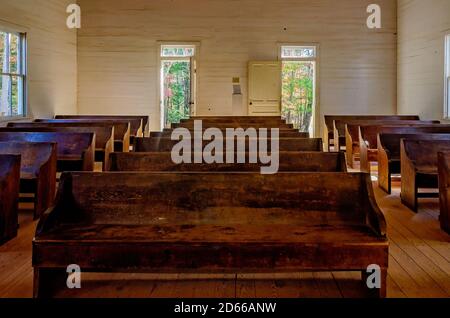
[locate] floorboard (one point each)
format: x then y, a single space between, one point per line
419 267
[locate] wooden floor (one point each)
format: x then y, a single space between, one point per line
419 267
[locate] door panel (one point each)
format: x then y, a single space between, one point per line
264 88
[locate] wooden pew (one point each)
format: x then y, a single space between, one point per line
444 190
139 125
281 134
285 144
9 196
236 118
210 223
389 152
328 130
223 126
352 134
288 162
104 135
75 151
419 166
121 129
37 171
368 139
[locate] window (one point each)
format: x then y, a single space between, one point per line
12 74
298 52
177 51
447 77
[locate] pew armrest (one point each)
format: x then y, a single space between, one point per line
374 217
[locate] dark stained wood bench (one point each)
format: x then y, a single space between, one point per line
328 127
104 135
368 139
121 129
281 133
444 190
389 152
343 127
209 223
288 162
37 171
352 134
9 196
222 126
419 166
236 118
285 144
139 124
75 151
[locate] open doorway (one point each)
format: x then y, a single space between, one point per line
177 83
298 72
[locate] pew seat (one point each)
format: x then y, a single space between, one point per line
209 223
9 196
37 172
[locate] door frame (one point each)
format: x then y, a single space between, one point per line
316 115
159 59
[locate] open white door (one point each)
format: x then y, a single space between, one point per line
264 96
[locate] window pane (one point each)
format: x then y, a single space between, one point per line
294 52
9 52
11 96
5 95
2 49
177 51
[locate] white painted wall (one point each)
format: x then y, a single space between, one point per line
422 26
117 51
52 54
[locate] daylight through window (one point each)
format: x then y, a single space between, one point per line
13 74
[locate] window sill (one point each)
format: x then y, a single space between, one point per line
17 118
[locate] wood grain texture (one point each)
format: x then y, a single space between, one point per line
419 266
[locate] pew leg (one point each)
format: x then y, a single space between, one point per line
376 292
47 280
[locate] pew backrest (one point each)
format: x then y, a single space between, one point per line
104 134
108 198
70 146
390 142
288 162
33 155
424 153
138 124
285 144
